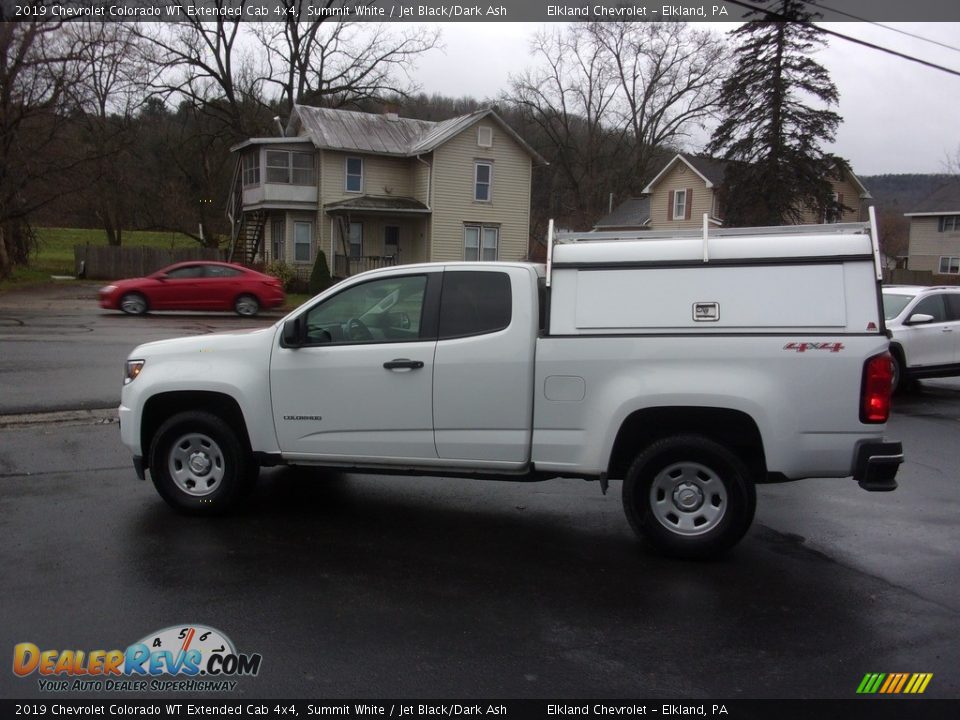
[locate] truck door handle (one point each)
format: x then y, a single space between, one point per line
403 364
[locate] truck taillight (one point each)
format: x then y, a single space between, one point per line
876 389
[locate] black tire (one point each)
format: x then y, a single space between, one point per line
901 380
246 305
689 496
224 471
134 303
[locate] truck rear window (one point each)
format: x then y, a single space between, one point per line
474 302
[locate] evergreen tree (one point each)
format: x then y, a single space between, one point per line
768 132
320 276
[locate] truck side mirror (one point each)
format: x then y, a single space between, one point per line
293 333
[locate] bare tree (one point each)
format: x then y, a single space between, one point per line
569 100
607 98
334 63
669 79
205 64
36 65
110 87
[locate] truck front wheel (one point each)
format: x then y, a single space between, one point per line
689 496
199 465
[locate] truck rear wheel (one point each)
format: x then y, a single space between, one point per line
199 465
689 496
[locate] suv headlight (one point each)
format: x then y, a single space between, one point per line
132 370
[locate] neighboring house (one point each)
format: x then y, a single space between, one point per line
935 232
374 190
689 186
631 214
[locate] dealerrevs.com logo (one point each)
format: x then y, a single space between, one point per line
201 658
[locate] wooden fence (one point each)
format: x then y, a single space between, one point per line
104 262
901 276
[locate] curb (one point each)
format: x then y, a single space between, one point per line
99 416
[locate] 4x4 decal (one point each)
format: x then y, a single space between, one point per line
804 346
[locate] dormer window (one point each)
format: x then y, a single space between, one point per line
354 168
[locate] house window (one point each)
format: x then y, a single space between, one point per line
834 214
481 242
950 223
482 179
485 136
291 168
356 239
276 239
391 240
354 174
301 168
949 265
251 169
302 235
679 205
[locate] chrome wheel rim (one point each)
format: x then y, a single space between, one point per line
196 464
688 498
133 304
247 305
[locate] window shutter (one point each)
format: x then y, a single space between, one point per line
688 204
670 206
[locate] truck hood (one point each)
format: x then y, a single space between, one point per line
228 341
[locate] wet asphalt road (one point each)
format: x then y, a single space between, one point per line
368 586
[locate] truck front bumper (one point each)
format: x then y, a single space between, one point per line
876 464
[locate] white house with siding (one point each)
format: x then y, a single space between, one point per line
373 190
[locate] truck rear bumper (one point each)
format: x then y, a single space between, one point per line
876 465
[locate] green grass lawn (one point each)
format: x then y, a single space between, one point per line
54 254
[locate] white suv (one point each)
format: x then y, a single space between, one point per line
925 322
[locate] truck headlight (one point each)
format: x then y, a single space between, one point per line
132 370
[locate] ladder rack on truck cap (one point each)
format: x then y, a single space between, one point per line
793 243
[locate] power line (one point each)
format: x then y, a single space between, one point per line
882 25
834 33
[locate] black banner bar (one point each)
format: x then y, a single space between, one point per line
854 709
462 10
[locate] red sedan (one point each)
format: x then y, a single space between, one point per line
195 286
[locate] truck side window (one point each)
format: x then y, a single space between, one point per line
473 303
385 310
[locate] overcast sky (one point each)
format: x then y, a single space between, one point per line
899 117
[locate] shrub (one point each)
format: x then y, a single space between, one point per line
283 272
320 276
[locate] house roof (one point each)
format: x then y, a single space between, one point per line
712 173
388 134
712 170
945 200
632 212
371 203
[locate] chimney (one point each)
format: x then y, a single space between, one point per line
390 111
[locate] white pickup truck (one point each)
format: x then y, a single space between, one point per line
689 367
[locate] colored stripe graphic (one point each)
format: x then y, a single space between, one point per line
894 683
